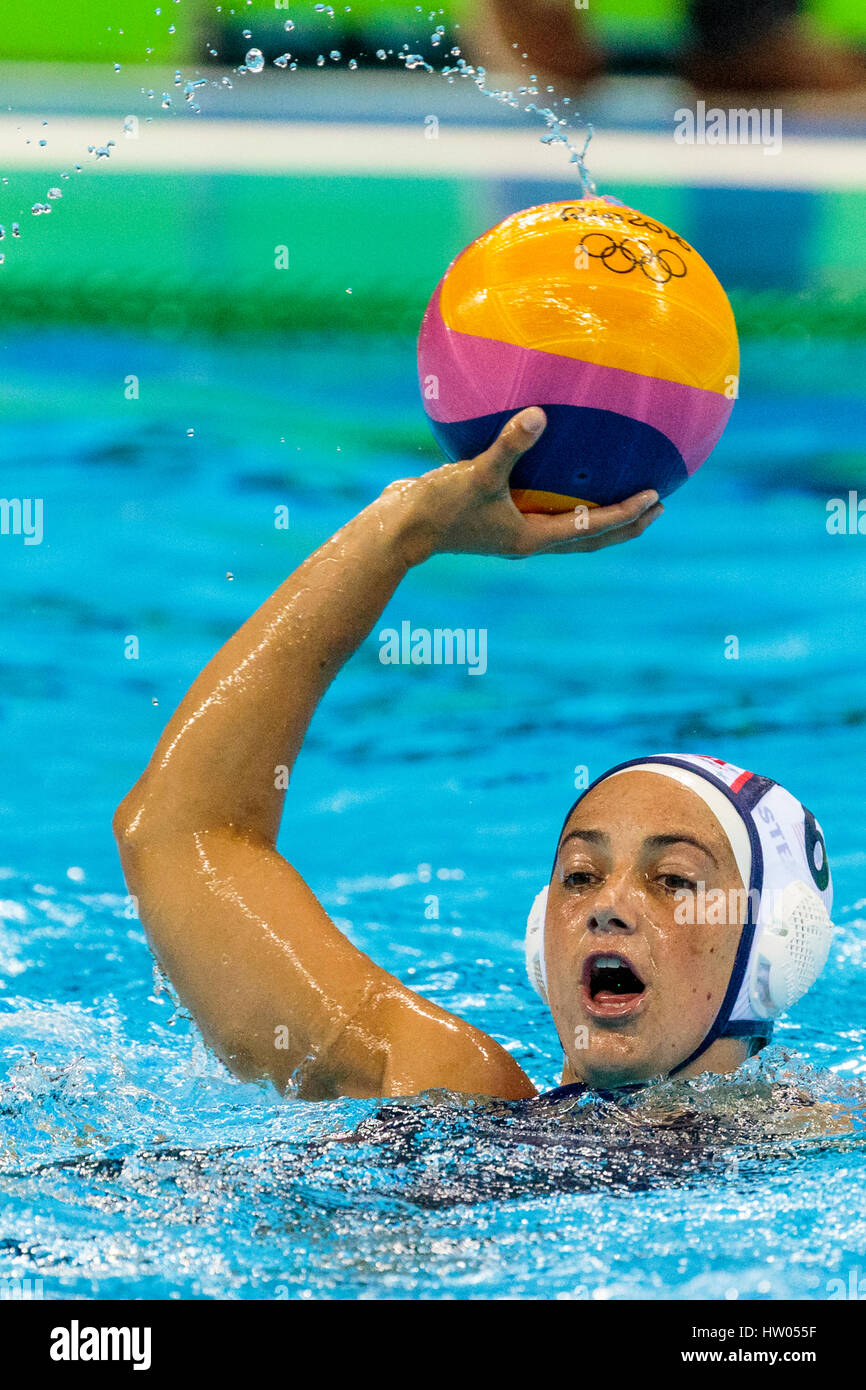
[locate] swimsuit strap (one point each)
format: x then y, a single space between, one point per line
580 1088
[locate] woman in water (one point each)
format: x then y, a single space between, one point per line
658 943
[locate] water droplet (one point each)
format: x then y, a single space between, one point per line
38 208
178 78
352 65
255 60
320 61
172 29
289 25
335 55
229 574
16 229
43 143
55 193
154 701
248 33
190 433
282 61
117 67
166 101
381 54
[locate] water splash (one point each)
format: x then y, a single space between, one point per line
415 60
557 125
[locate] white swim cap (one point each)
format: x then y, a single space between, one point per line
779 850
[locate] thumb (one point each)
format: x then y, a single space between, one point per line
519 434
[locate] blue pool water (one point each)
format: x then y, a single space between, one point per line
131 1163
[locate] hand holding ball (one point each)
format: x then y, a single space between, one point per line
611 322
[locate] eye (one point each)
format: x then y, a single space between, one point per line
676 882
578 878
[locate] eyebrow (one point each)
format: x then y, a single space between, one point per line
598 837
662 841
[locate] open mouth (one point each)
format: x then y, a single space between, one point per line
612 988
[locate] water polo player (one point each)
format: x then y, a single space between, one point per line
687 907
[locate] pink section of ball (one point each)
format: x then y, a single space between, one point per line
479 376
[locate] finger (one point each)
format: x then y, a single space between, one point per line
585 522
616 535
519 434
601 519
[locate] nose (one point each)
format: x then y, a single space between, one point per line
614 911
610 920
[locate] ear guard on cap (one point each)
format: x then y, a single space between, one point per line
791 950
534 944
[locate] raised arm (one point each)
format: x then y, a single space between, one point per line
276 989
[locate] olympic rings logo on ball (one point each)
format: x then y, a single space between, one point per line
658 266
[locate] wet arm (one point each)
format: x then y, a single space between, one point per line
276 989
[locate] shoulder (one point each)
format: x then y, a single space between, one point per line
428 1048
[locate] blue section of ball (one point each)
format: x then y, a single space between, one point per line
596 455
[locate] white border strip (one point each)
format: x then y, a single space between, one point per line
193 144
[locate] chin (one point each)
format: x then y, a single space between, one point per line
612 1062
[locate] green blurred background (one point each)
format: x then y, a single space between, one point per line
130 30
178 251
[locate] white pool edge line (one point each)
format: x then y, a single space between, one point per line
273 147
